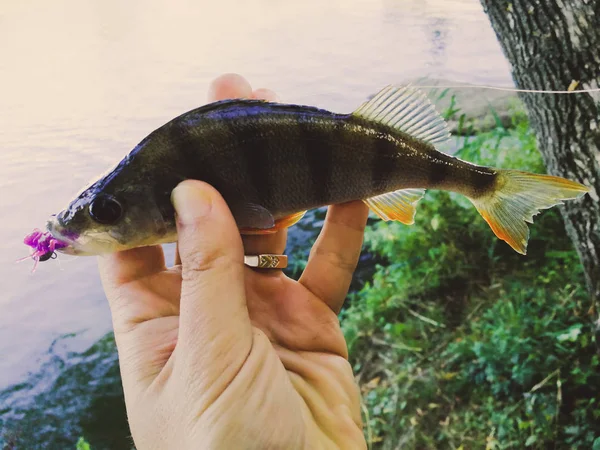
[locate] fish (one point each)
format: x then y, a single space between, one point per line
273 161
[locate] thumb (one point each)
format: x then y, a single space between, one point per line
214 325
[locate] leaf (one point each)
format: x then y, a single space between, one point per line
449 375
573 429
82 445
596 444
524 425
571 334
573 85
372 384
531 440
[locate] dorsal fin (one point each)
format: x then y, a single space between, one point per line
408 110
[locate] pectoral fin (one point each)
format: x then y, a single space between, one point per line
399 205
251 215
279 224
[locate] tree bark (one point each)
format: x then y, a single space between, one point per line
550 44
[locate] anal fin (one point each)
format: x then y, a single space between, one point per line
398 205
280 224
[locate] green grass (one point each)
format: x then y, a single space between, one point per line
82 444
459 342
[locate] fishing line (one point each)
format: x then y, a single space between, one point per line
500 88
481 86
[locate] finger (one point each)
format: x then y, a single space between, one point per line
267 243
124 276
120 268
177 260
229 85
335 255
214 318
265 94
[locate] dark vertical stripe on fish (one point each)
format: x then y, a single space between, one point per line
255 156
382 165
319 154
482 180
188 155
437 171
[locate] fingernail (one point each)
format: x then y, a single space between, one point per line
191 201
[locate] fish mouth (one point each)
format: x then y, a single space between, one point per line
63 235
89 243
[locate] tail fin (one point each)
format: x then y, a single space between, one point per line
517 198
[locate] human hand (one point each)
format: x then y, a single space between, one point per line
216 355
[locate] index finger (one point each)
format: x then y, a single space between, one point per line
229 85
117 269
334 256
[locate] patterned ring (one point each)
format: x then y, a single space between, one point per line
266 261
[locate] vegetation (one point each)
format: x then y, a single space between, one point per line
458 342
82 444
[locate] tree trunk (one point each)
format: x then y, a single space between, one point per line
550 44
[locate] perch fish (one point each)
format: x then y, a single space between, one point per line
271 162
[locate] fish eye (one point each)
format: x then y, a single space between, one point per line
105 209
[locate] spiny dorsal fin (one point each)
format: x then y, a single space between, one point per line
408 110
399 205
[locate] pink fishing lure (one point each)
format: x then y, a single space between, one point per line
43 245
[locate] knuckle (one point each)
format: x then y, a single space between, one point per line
340 366
203 260
344 261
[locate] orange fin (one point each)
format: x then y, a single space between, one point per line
284 222
520 196
288 221
399 205
258 231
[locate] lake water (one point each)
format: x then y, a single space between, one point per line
82 82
